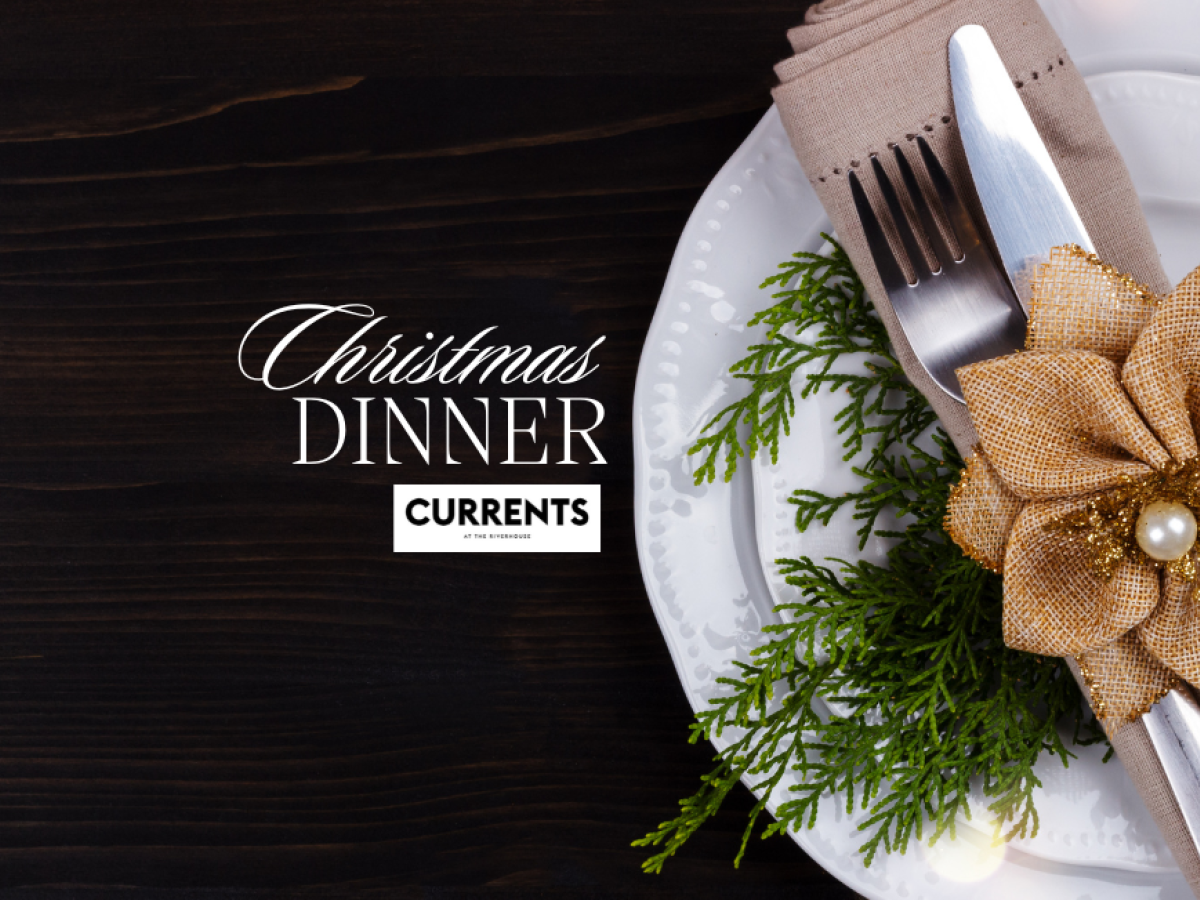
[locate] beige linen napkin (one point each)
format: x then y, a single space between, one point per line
871 74
868 74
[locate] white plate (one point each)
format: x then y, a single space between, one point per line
697 545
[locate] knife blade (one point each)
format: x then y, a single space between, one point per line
1026 203
1029 211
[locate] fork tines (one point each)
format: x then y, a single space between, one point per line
959 223
958 309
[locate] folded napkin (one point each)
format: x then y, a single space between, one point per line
872 74
868 74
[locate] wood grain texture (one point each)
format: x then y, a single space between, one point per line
109 39
217 679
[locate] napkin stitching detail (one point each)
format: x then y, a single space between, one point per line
932 122
1022 83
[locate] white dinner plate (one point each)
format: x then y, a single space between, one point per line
704 567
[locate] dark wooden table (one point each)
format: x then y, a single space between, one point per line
216 679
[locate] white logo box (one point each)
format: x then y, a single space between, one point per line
496 518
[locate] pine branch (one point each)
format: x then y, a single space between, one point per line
911 650
827 294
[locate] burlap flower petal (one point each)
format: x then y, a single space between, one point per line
1162 373
981 512
1058 424
1079 303
1053 603
1172 632
1124 680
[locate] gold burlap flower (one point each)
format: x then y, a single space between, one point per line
1096 419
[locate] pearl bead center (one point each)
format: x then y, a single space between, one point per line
1166 531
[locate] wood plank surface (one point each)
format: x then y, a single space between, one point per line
216 679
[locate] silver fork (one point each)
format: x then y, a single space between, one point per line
960 313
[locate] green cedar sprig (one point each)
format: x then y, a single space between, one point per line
826 293
926 695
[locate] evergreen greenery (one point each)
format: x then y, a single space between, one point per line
910 653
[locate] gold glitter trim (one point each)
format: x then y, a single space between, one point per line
1131 285
1100 705
956 534
1107 525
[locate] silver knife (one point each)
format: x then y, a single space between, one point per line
1026 203
1029 211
